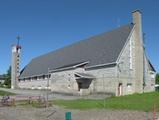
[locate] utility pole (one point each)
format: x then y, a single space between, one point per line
47 93
144 83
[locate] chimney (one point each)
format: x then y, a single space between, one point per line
137 21
139 52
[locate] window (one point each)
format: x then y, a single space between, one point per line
152 76
130 54
129 87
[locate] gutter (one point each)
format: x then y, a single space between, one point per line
67 68
100 65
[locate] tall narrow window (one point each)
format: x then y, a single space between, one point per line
131 54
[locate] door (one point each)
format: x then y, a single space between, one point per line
120 89
79 85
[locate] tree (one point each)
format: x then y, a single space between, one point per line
7 81
157 78
157 81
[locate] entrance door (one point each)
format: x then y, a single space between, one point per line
79 85
120 89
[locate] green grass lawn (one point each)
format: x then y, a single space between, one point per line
4 93
142 102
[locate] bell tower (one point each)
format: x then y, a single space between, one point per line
15 67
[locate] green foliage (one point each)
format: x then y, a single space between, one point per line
157 81
157 78
141 102
7 81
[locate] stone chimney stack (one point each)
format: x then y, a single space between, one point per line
139 52
137 21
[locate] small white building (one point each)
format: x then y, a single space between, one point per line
114 62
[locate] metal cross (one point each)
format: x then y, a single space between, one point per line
18 38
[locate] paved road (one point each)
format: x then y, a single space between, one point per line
42 93
25 92
52 95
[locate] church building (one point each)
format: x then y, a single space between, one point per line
113 62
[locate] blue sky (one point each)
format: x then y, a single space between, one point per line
46 25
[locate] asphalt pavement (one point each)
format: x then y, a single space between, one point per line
52 95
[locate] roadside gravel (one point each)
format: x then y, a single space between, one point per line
58 113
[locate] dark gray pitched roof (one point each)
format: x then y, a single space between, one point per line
101 49
151 66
